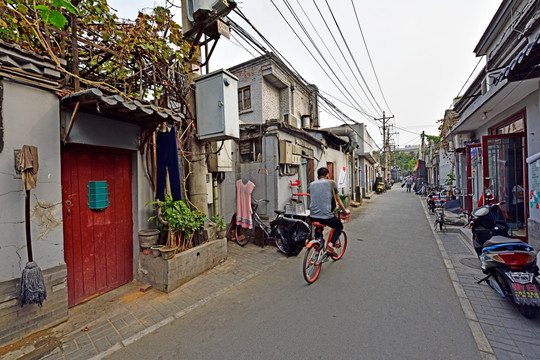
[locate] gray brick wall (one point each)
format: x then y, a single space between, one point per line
16 322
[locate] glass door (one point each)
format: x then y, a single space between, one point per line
474 176
504 174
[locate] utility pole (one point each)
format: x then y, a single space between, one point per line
386 142
197 178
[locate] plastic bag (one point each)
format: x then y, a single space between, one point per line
294 233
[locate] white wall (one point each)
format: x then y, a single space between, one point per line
34 123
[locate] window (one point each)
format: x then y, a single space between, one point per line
244 98
250 150
512 125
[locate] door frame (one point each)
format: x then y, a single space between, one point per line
470 189
91 149
486 178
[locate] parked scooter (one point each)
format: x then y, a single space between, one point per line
433 197
379 187
510 264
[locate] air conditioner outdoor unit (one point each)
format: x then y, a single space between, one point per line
294 121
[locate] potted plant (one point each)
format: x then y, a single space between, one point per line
179 220
219 222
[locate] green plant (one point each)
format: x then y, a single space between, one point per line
450 179
219 220
178 219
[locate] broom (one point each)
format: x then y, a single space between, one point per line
32 289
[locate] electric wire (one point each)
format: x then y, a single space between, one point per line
369 56
470 75
344 57
321 56
351 55
330 53
334 108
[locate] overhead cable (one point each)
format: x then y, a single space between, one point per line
369 56
351 55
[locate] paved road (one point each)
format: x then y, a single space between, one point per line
390 297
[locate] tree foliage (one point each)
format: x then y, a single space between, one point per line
146 58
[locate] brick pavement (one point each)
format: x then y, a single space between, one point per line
501 332
122 316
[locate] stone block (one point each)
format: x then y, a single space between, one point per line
167 275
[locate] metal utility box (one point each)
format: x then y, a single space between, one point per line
222 160
285 152
217 106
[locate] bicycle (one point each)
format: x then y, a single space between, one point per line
439 216
270 232
316 254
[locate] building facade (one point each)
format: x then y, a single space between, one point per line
496 138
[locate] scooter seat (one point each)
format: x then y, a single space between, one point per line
497 240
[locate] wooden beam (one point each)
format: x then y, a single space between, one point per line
75 111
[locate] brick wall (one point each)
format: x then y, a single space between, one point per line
17 322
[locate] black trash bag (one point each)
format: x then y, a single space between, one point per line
294 233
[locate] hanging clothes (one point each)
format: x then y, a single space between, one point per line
29 166
167 159
243 203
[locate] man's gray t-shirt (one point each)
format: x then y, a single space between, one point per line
321 198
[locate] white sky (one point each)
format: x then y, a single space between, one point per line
422 52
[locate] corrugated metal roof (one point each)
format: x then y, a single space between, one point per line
94 98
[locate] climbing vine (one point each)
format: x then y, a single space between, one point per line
146 58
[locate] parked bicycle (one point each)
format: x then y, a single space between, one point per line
316 254
288 234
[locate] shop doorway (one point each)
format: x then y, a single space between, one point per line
505 175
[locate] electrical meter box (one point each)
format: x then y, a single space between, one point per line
285 152
220 158
217 106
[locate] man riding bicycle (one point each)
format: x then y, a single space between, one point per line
323 195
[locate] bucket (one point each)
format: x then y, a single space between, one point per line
148 238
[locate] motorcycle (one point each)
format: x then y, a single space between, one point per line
509 264
379 185
434 197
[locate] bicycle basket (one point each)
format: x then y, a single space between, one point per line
344 217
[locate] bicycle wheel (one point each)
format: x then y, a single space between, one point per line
311 266
278 238
341 246
242 235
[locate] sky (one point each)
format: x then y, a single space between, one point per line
408 59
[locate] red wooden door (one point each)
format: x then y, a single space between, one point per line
98 244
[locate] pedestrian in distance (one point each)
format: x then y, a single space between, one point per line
409 182
323 194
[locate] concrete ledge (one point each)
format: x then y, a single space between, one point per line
167 275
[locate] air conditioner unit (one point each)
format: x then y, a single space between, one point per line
294 121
